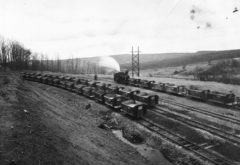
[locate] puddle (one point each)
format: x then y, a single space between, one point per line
152 155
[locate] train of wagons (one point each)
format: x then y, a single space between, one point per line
132 102
204 95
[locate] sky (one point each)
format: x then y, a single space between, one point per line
86 28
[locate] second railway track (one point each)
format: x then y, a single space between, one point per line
198 110
202 111
198 150
234 139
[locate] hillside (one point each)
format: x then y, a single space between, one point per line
161 60
191 58
127 58
147 61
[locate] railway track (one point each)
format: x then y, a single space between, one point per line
202 111
225 135
227 106
199 150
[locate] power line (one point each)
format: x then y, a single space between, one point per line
157 6
181 20
168 15
153 14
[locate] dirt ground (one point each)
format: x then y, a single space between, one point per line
40 125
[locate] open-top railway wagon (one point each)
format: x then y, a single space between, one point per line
39 78
159 87
90 88
146 84
63 82
134 108
221 97
28 77
72 82
113 99
100 93
174 89
134 82
93 83
56 81
199 94
128 93
89 91
51 78
83 81
149 99
33 76
102 85
79 88
46 78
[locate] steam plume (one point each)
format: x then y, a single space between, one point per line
109 62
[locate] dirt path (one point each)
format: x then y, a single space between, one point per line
40 125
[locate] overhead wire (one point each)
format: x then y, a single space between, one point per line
146 26
168 15
152 15
180 21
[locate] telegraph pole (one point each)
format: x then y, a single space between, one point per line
135 62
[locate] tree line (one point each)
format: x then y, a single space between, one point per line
16 56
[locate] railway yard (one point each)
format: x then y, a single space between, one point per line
43 123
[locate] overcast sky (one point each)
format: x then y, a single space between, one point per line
82 28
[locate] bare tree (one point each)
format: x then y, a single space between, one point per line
77 62
3 52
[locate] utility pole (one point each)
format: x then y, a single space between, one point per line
135 62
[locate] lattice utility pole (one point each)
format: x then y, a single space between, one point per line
135 63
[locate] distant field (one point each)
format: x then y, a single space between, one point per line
169 71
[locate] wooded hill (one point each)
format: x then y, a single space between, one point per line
190 58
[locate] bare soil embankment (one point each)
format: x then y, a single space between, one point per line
40 124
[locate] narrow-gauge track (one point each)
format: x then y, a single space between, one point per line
202 111
234 106
194 109
198 150
225 135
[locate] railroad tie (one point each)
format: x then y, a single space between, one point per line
211 146
203 144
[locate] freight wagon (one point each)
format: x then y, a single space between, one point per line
134 82
149 99
221 97
134 108
174 89
199 94
146 84
128 93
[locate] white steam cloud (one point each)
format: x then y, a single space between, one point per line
109 62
